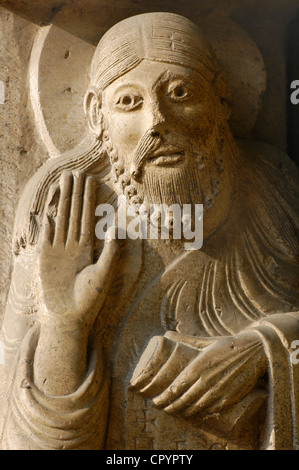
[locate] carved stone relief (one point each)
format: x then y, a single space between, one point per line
139 343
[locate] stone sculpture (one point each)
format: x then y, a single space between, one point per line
140 344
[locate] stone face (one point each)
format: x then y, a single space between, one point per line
56 100
136 342
266 24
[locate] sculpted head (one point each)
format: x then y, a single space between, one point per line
160 104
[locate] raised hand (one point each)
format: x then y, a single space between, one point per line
72 285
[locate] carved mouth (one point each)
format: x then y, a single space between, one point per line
166 156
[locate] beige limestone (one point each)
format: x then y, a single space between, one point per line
140 344
266 23
58 74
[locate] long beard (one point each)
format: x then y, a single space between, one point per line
197 182
178 185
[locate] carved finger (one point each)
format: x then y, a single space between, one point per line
197 377
183 384
156 354
62 220
193 341
204 392
94 280
231 388
88 212
48 224
46 235
76 207
178 360
104 265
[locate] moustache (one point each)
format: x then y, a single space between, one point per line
148 144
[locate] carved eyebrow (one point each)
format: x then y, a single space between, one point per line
126 87
168 76
164 77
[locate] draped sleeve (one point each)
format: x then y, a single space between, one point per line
35 421
278 332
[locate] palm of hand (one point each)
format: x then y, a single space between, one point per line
71 284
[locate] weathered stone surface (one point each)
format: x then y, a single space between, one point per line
265 23
21 152
56 101
143 343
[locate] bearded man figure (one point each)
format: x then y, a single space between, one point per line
140 344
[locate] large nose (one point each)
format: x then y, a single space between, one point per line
158 117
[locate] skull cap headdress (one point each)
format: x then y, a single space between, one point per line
157 37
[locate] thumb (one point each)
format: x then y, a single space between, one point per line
95 280
110 252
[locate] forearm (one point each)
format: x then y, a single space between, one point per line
74 421
60 359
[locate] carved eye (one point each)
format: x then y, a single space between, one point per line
178 91
129 101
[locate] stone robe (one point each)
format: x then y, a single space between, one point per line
245 277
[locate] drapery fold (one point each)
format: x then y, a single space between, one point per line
278 332
35 421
